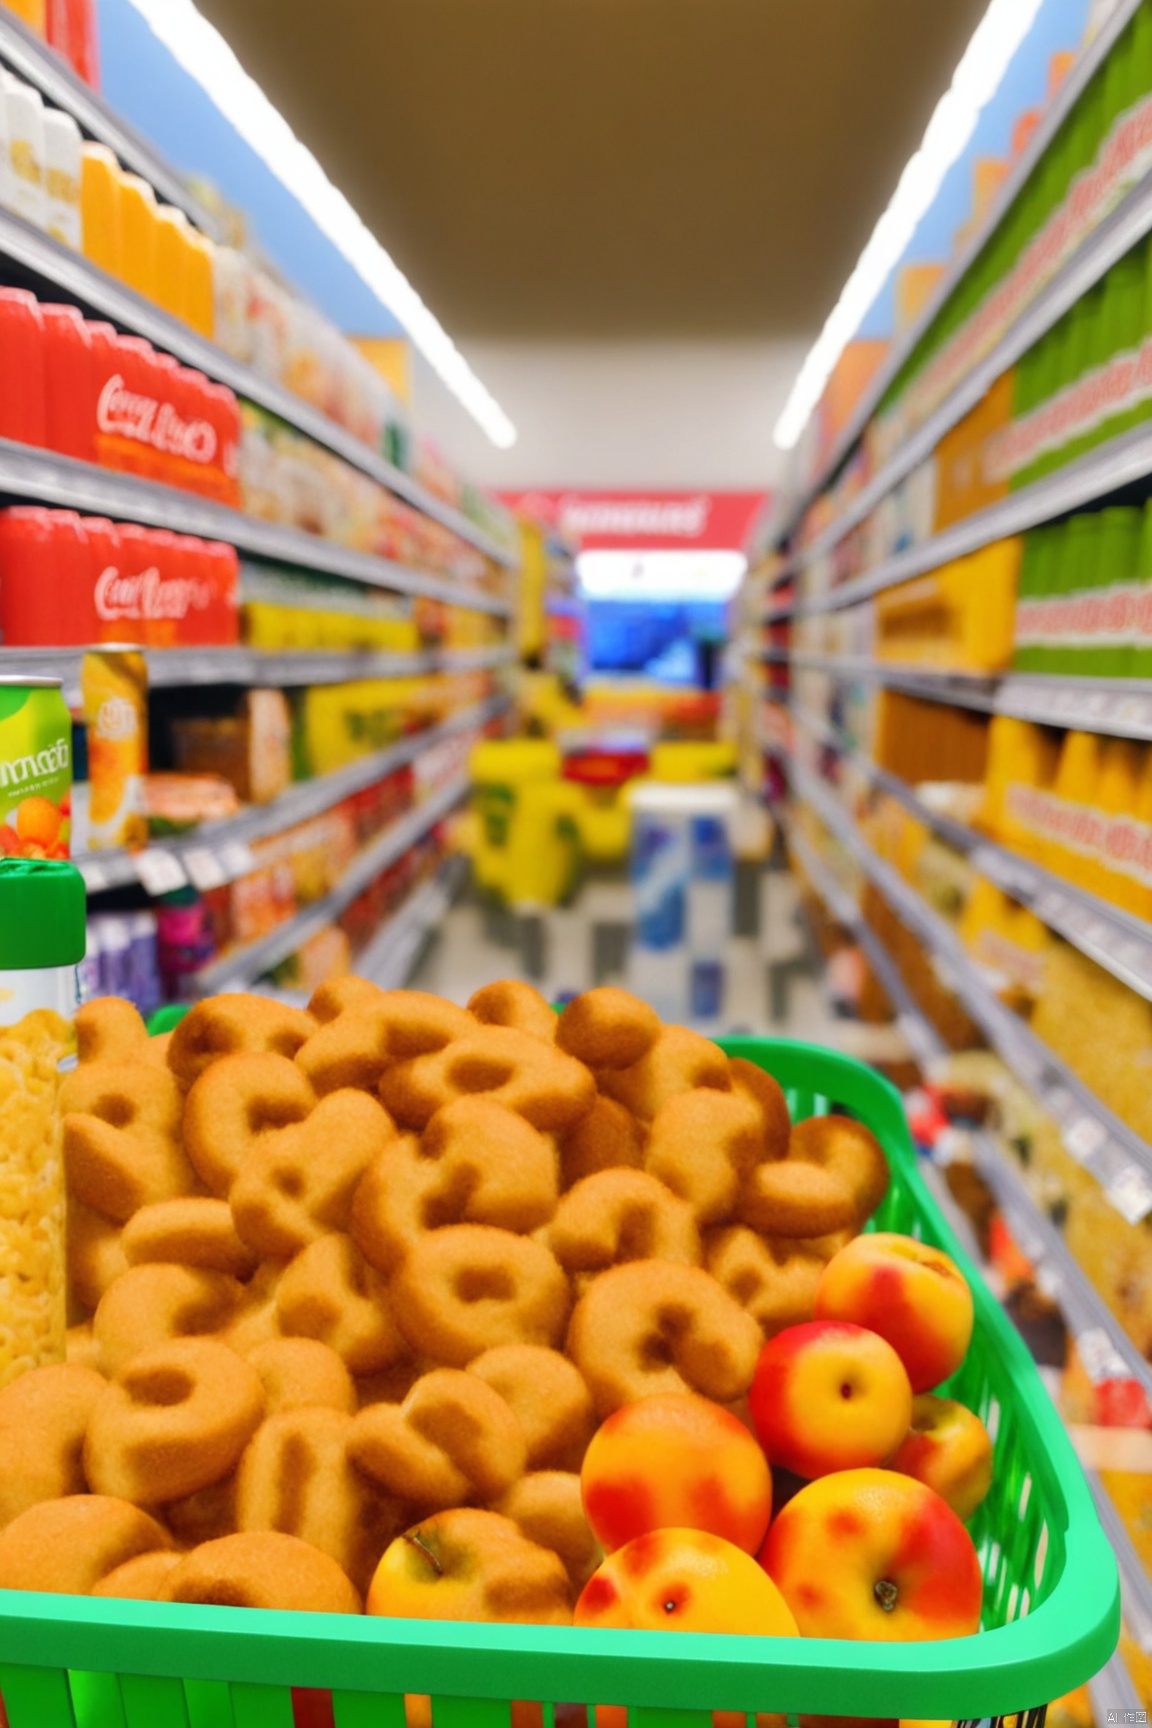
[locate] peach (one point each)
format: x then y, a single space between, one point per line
827 1396
38 821
465 1564
949 1449
870 1554
913 1295
676 1459
683 1581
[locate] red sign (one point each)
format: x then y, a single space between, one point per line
646 521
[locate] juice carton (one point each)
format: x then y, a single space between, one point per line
100 208
172 227
139 225
114 685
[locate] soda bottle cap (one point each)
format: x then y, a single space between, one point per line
42 914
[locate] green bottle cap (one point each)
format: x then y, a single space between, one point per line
42 914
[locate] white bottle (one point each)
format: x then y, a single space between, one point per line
62 147
24 110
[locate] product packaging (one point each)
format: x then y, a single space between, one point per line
114 686
35 769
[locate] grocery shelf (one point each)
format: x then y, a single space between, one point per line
1104 1145
218 852
1100 249
43 477
31 59
64 271
1135 1584
1113 1696
242 966
390 957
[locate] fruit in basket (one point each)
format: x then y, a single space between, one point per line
828 1395
912 1294
466 1564
949 1449
684 1581
676 1460
871 1554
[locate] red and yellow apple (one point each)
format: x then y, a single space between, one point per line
684 1581
913 1295
676 1461
871 1554
466 1564
949 1449
828 1395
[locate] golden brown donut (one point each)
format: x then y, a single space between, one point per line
122 1137
153 1304
608 1138
468 1287
366 1030
509 1002
702 1145
95 1252
774 1278
296 1476
608 1028
534 1079
297 1372
80 1350
257 1319
651 1326
337 995
549 1399
203 1516
453 1439
621 1215
677 1062
141 1579
174 1420
109 1029
235 1105
263 1569
793 1197
228 1024
548 1508
848 1149
69 1545
331 1293
506 1577
43 1419
195 1231
476 1163
752 1082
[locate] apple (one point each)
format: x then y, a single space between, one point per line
828 1395
913 1295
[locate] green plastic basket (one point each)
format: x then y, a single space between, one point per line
1051 1608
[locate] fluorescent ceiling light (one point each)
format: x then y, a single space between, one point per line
663 576
977 78
204 54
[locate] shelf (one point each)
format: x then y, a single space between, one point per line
1113 1697
1135 1584
218 852
1034 321
392 954
43 477
240 968
50 73
66 272
1101 1143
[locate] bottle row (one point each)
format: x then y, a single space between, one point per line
69 26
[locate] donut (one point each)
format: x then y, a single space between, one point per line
122 1145
608 1028
95 1252
194 1231
174 1420
228 1024
257 1319
452 1439
607 1138
749 1081
43 1419
773 1278
155 1303
548 1508
702 1146
509 1002
263 1569
678 1061
331 1293
141 1579
109 1029
502 1575
621 1215
69 1545
296 1477
834 1177
548 1398
297 1372
475 1163
203 1516
845 1147
468 1287
297 1183
534 1079
80 1349
365 1031
651 1326
234 1105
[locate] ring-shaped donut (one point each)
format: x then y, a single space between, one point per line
468 1287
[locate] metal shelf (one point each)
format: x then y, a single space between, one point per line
393 952
1052 119
243 966
1135 1584
43 477
1104 1145
218 852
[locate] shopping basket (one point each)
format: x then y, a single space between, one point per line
1051 1608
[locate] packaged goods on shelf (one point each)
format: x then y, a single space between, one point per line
114 687
283 609
123 959
251 750
1085 595
69 26
959 616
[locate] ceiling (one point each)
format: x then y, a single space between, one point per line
561 170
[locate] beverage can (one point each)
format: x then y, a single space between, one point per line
35 769
114 689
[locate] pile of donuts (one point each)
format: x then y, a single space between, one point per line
333 1271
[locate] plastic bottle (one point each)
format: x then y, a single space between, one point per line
24 112
68 382
139 222
1079 559
1121 768
171 259
62 147
1107 651
1074 853
22 398
100 207
46 589
199 284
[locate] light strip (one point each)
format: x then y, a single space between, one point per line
976 80
204 54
